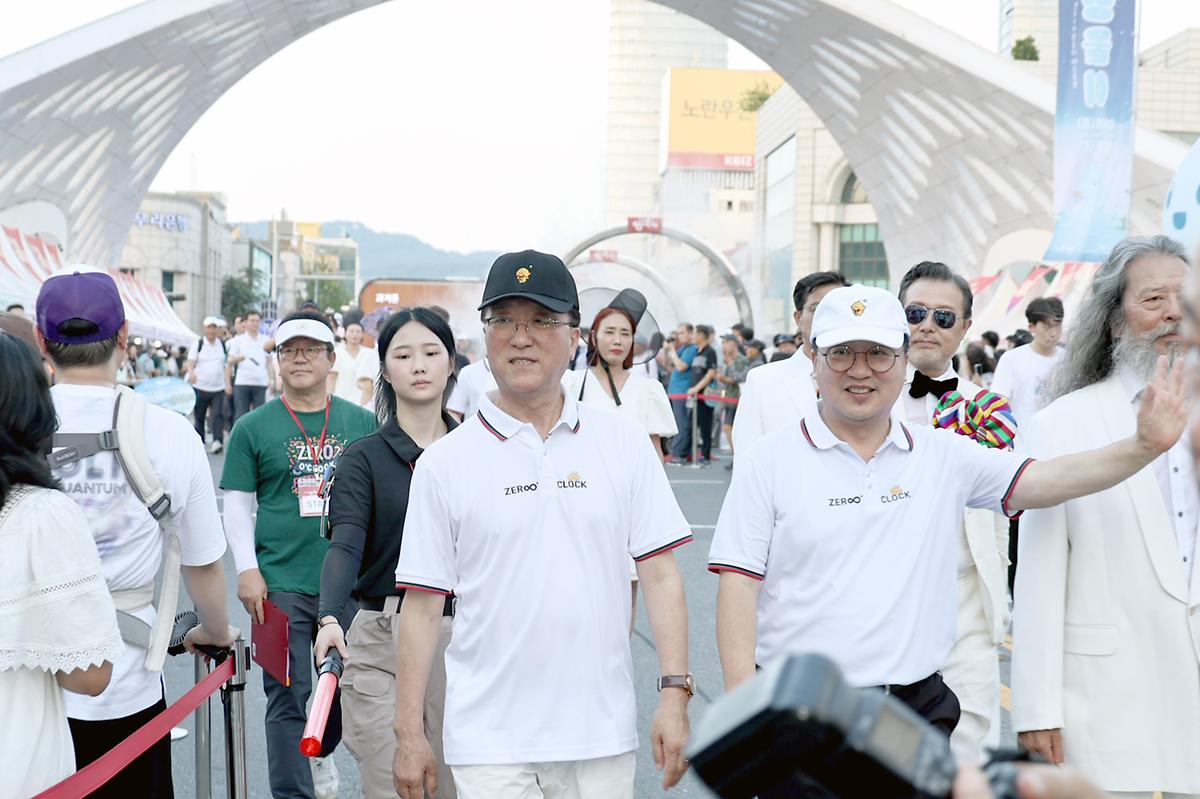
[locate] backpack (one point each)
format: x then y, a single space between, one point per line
127 441
221 341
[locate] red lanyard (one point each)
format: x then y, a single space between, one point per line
316 453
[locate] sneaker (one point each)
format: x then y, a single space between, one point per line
325 777
215 447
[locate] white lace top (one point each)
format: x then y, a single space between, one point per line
55 615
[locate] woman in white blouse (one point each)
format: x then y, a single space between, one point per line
610 383
58 626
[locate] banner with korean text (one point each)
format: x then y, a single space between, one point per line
1093 127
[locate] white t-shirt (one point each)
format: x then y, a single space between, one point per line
858 560
253 370
350 368
534 537
642 399
474 380
208 362
127 537
1022 375
56 616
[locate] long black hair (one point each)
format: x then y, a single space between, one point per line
385 395
27 419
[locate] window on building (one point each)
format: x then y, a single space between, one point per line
168 282
861 257
745 206
853 192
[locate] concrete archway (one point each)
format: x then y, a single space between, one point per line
715 257
952 143
642 268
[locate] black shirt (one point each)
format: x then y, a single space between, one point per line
367 507
702 361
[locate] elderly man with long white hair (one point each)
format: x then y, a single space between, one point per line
1106 653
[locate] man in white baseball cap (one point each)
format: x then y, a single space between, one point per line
851 518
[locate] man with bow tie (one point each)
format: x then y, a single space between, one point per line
937 306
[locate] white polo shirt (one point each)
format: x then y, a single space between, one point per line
473 381
857 559
534 538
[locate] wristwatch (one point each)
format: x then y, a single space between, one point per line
685 681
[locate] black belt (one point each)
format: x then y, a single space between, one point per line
897 688
375 603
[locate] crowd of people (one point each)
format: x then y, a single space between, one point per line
472 536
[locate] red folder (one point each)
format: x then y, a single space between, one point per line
269 643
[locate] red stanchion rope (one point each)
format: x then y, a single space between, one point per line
98 772
713 397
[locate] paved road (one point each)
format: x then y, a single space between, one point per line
700 492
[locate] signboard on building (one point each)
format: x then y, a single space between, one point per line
644 224
605 256
705 125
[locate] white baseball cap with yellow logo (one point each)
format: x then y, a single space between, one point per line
859 313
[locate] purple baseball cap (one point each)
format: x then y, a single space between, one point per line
89 296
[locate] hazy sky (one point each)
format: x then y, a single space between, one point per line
488 135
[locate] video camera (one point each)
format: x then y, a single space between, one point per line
799 730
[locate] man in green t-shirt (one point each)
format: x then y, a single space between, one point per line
277 455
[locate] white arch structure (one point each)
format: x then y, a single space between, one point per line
952 143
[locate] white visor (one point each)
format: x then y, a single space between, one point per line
303 328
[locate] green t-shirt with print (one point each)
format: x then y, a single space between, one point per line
266 455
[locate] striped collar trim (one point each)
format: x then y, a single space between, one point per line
819 435
504 427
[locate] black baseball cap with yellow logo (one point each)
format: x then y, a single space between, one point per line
533 275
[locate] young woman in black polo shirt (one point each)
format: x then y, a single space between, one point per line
367 509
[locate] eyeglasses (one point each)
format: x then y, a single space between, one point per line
842 359
942 317
310 352
537 326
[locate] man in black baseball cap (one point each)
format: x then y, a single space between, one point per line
533 275
537 482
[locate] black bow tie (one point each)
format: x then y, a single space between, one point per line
922 384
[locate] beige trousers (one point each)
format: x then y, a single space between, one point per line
598 778
369 702
973 672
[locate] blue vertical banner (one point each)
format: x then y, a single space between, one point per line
1093 127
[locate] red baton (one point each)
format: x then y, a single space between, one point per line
318 717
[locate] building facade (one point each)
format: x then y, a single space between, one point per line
812 214
645 40
182 243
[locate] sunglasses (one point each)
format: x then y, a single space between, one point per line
943 318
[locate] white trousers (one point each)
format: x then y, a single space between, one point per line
973 672
599 778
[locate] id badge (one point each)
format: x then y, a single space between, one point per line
312 504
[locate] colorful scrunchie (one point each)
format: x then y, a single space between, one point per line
988 419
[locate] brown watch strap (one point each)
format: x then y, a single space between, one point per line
684 681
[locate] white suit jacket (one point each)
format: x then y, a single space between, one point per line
774 395
986 532
1106 640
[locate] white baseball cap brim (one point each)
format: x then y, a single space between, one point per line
303 328
888 337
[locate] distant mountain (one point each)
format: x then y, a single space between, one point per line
397 255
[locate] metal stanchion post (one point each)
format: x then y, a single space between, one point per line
203 731
694 406
233 697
